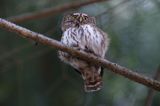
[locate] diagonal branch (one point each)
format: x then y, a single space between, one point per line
151 92
25 33
50 11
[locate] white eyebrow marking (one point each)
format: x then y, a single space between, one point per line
76 13
83 14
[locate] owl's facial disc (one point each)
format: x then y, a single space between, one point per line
80 17
76 20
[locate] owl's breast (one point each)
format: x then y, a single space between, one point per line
86 37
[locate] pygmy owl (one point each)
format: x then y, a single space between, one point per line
81 33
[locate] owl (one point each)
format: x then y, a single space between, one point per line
81 33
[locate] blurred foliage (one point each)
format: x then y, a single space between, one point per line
33 75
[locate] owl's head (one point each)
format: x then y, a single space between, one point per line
76 19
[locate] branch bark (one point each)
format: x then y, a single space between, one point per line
25 33
50 11
151 92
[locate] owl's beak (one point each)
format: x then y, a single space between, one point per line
80 19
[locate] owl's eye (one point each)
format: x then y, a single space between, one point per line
69 18
85 17
75 16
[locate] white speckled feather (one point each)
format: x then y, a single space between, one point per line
80 32
86 36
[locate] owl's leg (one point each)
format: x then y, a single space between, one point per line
89 51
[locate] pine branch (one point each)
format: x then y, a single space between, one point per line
151 92
25 33
50 11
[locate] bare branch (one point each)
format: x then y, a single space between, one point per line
50 11
151 92
114 7
25 33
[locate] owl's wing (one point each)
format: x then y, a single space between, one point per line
86 38
96 41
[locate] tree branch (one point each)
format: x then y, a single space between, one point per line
25 33
151 92
114 7
50 11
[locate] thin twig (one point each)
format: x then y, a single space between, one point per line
25 33
151 92
114 7
50 11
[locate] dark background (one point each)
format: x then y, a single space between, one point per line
33 75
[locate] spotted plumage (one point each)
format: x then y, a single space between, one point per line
81 33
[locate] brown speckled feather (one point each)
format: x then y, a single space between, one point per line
81 33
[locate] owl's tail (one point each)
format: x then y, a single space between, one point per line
92 80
